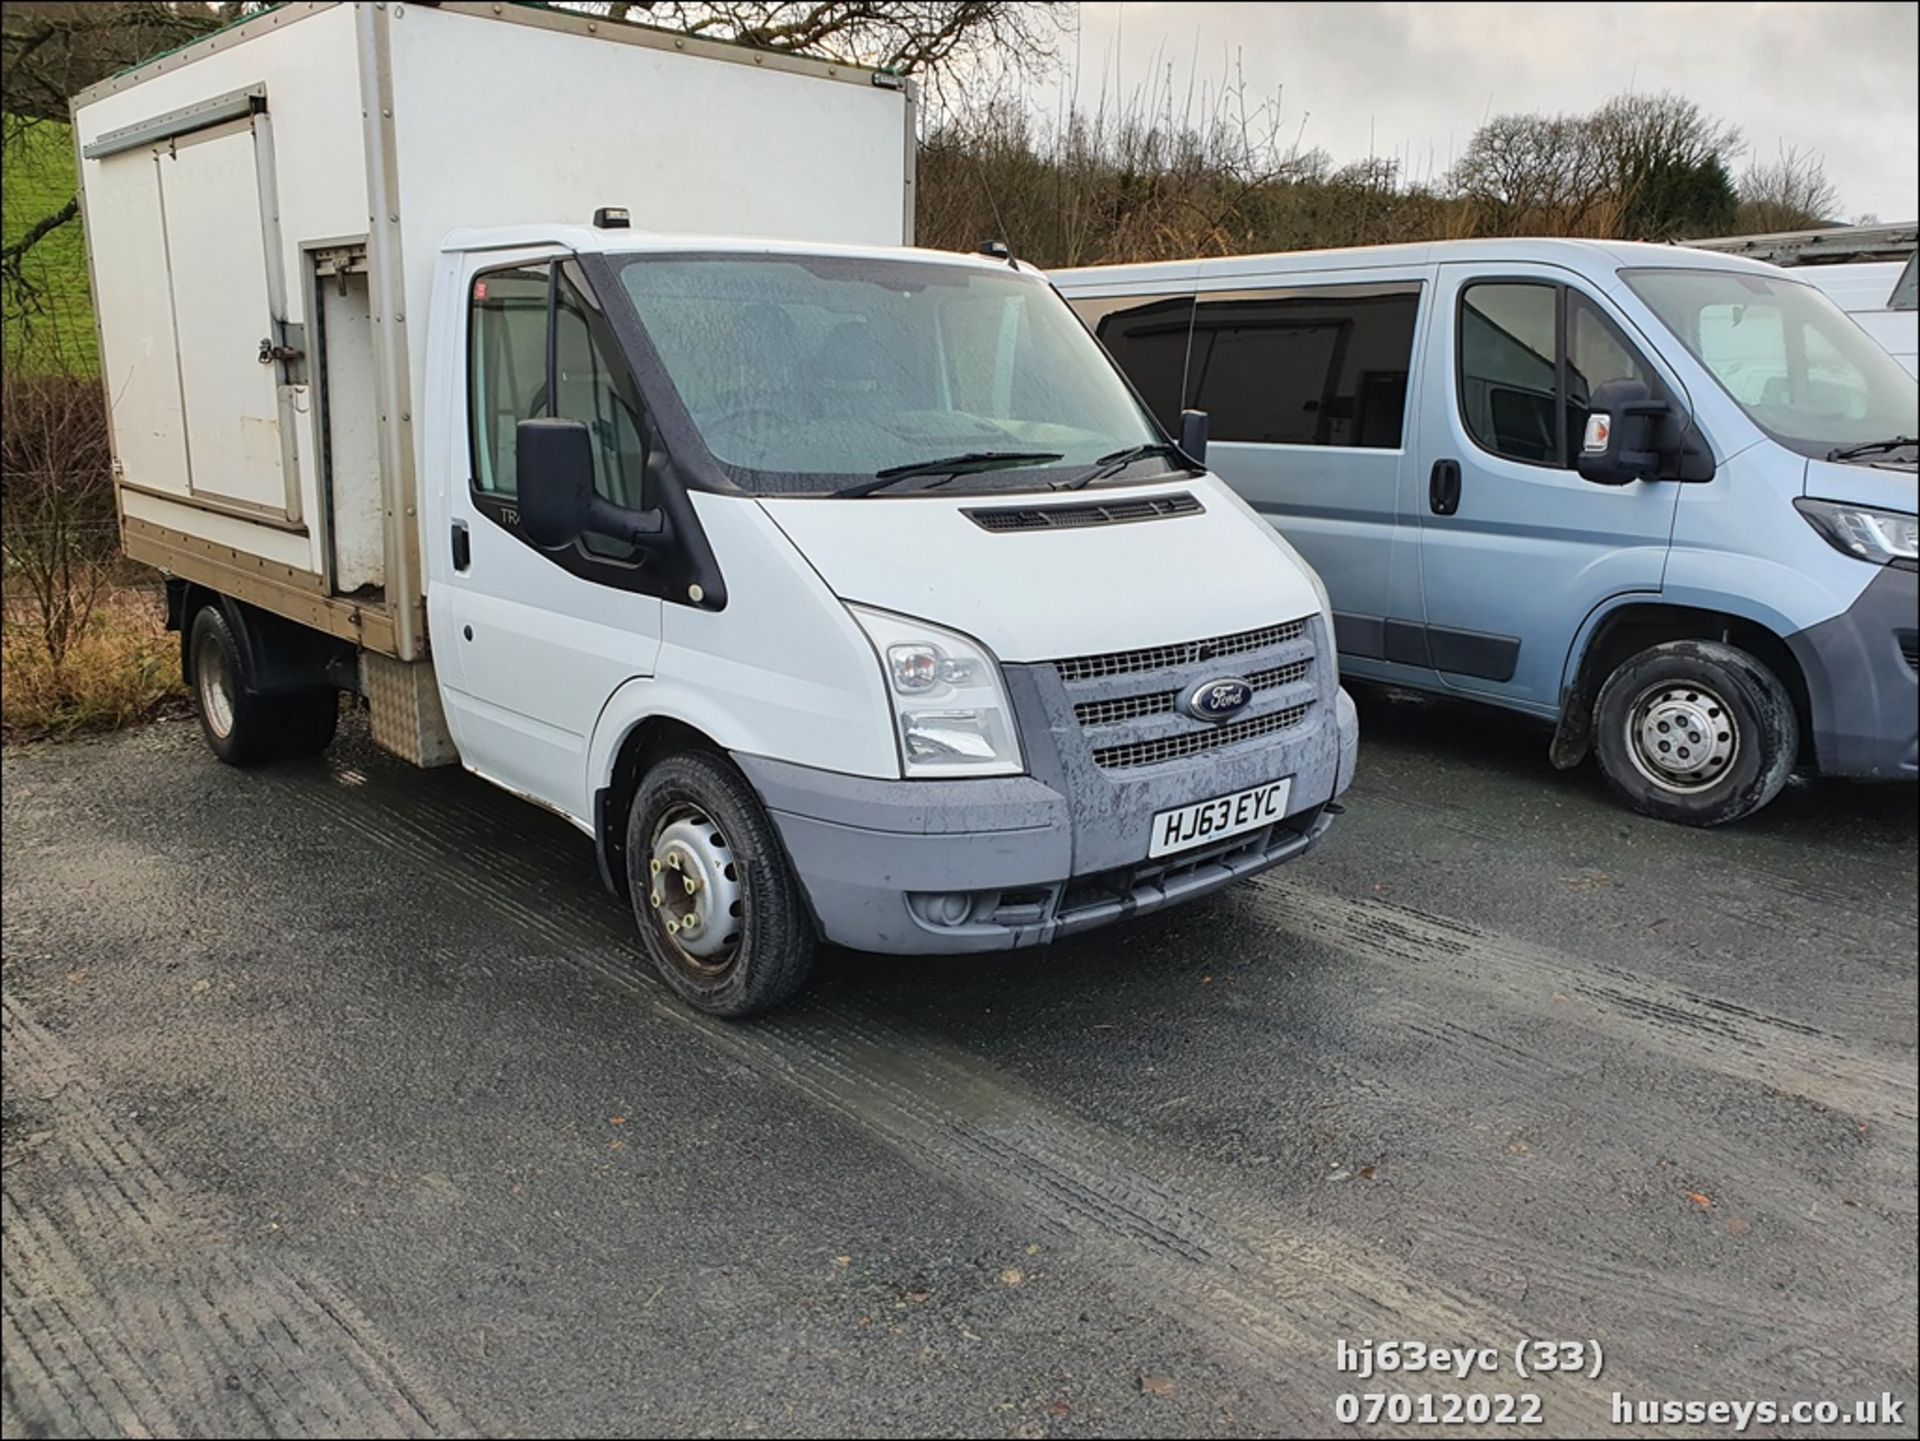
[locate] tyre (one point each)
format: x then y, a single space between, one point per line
240 724
243 726
1695 731
719 909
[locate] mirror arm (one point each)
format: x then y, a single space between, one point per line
617 522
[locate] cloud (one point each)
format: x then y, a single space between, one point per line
1415 80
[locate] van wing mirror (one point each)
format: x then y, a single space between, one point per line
553 475
1630 435
1193 435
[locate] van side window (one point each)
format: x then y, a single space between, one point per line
507 358
1508 349
1531 356
1147 338
1319 366
507 368
1596 353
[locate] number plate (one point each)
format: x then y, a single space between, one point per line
1216 819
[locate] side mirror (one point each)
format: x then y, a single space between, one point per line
553 475
1193 435
1618 445
1632 436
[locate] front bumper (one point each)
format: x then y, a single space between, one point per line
1862 684
947 867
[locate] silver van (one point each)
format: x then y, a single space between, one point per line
1661 498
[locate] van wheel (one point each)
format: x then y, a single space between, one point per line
1695 731
239 723
720 912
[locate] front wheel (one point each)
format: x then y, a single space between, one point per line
1696 732
720 912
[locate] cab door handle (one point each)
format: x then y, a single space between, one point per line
1443 487
462 546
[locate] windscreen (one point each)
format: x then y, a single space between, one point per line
1792 359
808 374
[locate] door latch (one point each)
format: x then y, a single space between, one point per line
284 354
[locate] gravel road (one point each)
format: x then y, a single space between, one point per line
336 1103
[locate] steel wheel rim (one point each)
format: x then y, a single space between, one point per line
1682 736
215 684
695 891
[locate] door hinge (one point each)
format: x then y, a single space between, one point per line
285 354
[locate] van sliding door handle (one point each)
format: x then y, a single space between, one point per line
1443 487
462 546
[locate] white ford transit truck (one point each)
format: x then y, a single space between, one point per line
839 591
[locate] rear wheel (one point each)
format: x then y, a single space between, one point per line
1696 732
243 726
237 721
720 912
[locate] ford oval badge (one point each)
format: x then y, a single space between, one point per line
1217 700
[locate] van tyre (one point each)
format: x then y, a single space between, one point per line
1695 731
720 912
243 726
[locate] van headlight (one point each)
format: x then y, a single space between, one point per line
949 703
1885 537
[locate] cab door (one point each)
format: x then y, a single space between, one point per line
530 643
1515 548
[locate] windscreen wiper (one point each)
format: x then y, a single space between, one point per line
1108 466
1870 447
949 466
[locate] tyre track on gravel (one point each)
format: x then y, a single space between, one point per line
101 1242
1781 1052
1268 1293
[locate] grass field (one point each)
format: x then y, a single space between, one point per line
51 334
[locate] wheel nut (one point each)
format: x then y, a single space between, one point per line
654 900
656 866
687 881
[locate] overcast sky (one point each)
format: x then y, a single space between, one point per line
1837 79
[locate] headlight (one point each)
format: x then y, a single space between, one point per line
949 705
1881 536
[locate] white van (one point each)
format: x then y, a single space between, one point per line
839 591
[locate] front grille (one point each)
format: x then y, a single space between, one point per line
1188 743
1162 702
1167 657
1095 512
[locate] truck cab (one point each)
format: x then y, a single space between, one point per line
849 591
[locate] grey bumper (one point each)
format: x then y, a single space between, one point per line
942 867
1862 686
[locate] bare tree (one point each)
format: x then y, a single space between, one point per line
48 51
57 527
1646 167
1789 192
919 37
1531 174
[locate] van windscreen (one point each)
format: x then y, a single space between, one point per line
1791 359
807 374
